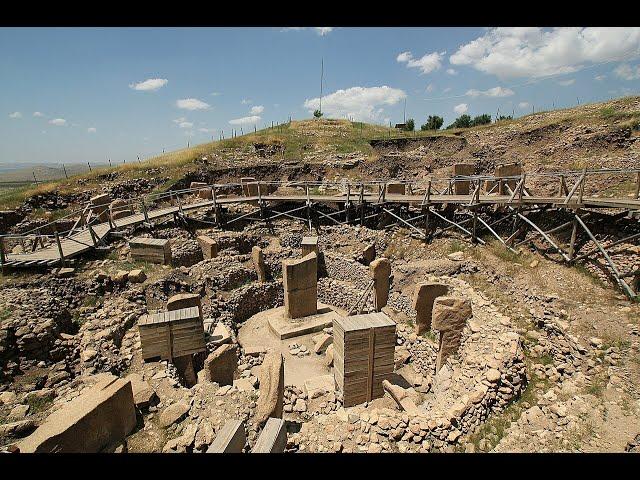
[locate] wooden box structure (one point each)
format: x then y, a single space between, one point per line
309 244
363 347
154 250
171 334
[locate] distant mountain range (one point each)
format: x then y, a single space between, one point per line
25 171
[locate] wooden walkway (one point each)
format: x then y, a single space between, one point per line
83 241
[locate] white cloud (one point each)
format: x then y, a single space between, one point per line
185 124
91 130
59 122
207 130
461 108
38 114
451 71
600 77
245 101
427 63
430 88
15 115
192 104
257 110
149 85
322 31
627 72
447 90
566 83
524 105
492 92
360 103
245 120
215 94
189 133
535 52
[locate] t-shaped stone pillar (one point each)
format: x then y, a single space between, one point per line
257 257
380 271
300 280
450 315
423 297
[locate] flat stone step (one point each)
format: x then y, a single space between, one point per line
285 328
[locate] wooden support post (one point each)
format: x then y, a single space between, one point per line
574 234
144 210
584 180
637 196
308 206
475 225
93 236
347 203
361 204
62 260
520 193
179 204
2 259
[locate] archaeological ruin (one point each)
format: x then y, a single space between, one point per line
246 311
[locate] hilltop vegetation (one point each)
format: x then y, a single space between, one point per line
590 132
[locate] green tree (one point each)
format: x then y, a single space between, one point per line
434 122
483 119
317 113
502 117
463 121
409 125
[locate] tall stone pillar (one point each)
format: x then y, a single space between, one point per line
380 271
450 315
423 297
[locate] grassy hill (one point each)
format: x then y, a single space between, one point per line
529 139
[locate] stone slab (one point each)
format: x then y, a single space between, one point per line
285 328
230 439
273 438
104 415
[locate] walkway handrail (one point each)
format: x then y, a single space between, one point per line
340 185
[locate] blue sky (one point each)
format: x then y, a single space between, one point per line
122 92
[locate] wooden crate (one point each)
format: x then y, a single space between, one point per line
167 335
363 355
154 250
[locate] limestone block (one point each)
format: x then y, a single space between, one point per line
300 281
273 438
209 246
184 300
309 244
369 253
230 439
245 181
257 257
100 417
423 298
100 206
396 188
401 397
120 208
505 170
380 271
271 399
137 276
450 315
463 169
143 394
204 191
220 365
